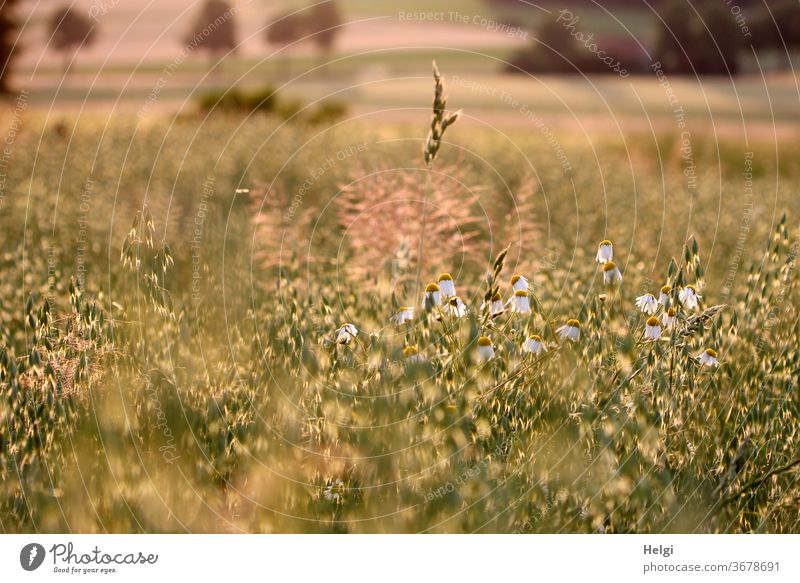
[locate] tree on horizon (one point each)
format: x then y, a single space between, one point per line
9 45
703 43
70 31
324 22
214 30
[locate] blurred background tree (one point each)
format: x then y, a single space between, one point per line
283 32
9 30
214 30
324 22
556 50
286 29
701 38
321 23
776 28
69 32
552 51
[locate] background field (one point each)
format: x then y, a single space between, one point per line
382 60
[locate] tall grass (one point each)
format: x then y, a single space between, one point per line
191 380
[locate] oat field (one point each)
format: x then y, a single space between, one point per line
248 325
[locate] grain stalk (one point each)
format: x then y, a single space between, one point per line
439 124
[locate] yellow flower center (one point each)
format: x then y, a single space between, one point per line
605 243
521 293
445 276
432 287
691 287
609 266
711 352
671 312
410 351
484 341
536 338
666 289
515 278
497 297
652 321
573 323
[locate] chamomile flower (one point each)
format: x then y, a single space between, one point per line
433 296
455 307
519 282
663 297
334 491
669 318
520 303
570 331
496 305
605 251
652 328
689 296
647 304
412 354
708 357
611 273
346 333
446 285
405 314
534 345
485 350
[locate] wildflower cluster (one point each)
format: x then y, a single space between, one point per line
671 312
